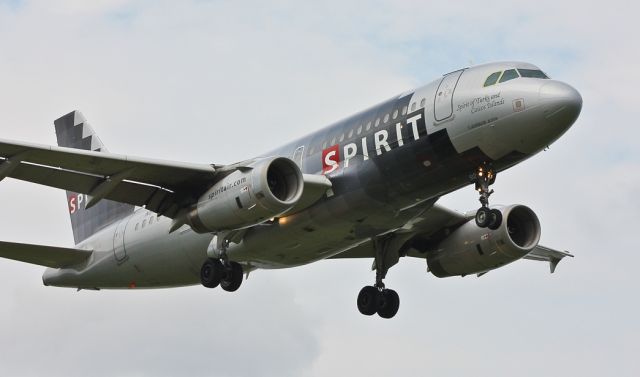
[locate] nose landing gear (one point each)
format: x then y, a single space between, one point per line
483 177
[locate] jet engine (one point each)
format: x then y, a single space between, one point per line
471 250
248 196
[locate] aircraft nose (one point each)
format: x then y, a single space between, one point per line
562 103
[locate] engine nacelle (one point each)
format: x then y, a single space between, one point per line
471 250
249 196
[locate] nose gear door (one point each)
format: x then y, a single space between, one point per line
443 101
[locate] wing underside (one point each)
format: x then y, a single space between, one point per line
161 186
431 223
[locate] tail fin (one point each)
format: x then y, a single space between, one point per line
73 131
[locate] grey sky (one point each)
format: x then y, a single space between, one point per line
213 81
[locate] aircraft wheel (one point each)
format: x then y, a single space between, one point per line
233 278
388 303
367 300
495 217
211 273
483 217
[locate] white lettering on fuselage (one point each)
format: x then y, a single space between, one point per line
331 155
380 139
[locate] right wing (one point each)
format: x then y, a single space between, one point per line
48 256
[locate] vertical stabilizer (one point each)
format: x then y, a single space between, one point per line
73 131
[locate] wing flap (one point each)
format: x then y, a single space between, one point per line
48 256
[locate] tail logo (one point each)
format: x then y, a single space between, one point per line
76 202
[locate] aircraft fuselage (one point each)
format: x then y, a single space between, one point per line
387 164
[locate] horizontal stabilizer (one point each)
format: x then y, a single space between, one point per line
48 256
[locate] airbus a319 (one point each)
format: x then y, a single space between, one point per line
364 187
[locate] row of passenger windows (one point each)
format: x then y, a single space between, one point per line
384 120
150 221
510 74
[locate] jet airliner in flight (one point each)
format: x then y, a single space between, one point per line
364 187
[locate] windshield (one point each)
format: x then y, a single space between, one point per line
533 73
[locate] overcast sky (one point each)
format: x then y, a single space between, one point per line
215 81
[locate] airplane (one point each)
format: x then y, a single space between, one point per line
364 187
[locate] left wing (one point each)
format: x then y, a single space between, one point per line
546 254
432 223
162 186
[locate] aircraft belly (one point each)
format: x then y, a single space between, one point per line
155 258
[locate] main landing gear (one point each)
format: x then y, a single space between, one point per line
216 272
222 271
378 298
483 177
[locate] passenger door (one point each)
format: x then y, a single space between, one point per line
443 101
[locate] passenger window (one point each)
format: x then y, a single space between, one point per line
144 223
413 106
137 226
377 122
350 133
404 110
333 141
151 220
386 118
395 114
509 74
359 129
324 145
492 79
423 102
341 138
533 73
369 126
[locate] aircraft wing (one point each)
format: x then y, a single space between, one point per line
431 223
542 253
48 256
161 186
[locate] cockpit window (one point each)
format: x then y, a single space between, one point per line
533 73
509 74
492 79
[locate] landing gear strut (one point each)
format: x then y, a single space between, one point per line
483 177
378 298
221 271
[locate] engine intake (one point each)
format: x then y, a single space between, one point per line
249 196
470 249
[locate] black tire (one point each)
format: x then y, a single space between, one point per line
496 219
211 273
388 303
233 277
483 217
367 300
